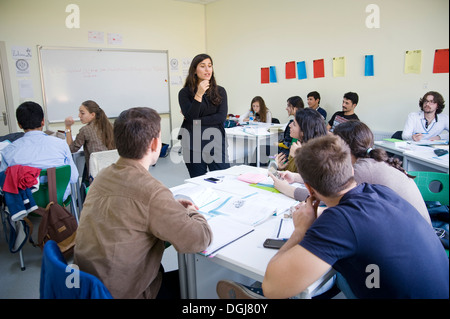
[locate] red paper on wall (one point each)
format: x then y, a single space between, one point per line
319 69
290 70
265 77
440 61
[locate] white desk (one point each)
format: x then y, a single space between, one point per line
244 140
418 158
244 260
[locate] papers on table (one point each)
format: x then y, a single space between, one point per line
251 210
199 195
225 232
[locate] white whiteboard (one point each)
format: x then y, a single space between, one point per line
116 79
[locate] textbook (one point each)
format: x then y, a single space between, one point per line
395 142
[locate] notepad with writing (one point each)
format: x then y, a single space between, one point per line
225 231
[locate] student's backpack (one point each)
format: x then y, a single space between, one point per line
57 223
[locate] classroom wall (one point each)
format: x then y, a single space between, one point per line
178 27
245 35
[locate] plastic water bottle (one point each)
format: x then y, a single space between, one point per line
250 118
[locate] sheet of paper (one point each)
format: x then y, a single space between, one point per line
250 210
413 61
290 70
319 68
301 70
273 75
285 228
339 66
368 65
441 58
199 195
265 75
225 231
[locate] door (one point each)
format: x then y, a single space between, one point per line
4 121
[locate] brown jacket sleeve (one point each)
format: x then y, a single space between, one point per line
186 229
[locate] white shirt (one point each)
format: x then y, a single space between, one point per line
268 116
416 124
37 149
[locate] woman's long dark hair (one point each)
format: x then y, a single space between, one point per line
360 139
192 80
311 123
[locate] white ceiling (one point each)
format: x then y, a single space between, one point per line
199 1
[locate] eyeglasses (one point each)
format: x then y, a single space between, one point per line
428 101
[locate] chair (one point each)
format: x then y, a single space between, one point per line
62 180
397 135
100 160
62 281
425 181
41 196
275 120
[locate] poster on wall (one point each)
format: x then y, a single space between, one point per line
440 61
413 61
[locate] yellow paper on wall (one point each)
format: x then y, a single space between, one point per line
339 67
413 61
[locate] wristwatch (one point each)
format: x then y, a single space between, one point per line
67 130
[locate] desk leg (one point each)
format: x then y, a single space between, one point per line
191 279
258 148
182 273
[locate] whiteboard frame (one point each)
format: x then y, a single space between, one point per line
41 47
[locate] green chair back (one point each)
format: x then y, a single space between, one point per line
62 180
423 181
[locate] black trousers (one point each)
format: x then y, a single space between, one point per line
198 164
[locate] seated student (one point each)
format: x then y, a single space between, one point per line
35 148
371 166
260 111
363 235
348 111
95 136
308 124
128 215
428 123
294 103
314 101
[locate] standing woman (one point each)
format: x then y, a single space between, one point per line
204 106
97 135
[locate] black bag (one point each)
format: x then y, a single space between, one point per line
57 223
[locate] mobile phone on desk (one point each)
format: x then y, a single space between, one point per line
213 180
274 243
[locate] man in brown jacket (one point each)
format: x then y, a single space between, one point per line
128 214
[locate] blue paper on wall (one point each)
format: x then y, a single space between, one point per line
301 70
368 68
273 75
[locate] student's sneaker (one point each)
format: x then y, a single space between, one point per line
232 290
